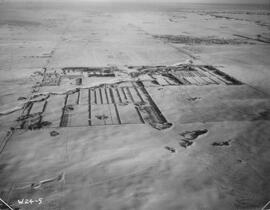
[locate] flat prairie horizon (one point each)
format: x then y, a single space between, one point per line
157 1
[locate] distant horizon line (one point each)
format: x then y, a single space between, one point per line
140 1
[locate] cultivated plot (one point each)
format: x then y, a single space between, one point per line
184 75
126 103
150 75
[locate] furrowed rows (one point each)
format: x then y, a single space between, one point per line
105 105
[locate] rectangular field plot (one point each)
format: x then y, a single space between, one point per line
99 106
106 95
96 115
189 75
42 113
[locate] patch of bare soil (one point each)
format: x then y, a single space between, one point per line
260 23
102 117
54 133
222 143
263 115
209 40
258 38
20 23
193 98
189 136
171 149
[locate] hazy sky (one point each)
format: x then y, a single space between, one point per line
226 1
180 1
195 1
